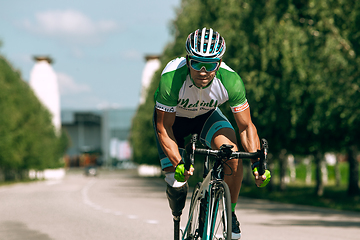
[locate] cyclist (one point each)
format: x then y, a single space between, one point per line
187 99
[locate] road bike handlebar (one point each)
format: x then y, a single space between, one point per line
225 152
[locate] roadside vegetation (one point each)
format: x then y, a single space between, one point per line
300 187
299 63
300 190
27 136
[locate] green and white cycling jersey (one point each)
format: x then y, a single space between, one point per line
178 93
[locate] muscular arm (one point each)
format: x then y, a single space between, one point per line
248 133
164 123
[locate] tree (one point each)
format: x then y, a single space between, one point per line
299 61
27 136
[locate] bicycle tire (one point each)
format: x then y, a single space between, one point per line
219 216
196 217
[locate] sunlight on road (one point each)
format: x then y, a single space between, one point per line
149 171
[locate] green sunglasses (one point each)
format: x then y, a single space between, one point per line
209 66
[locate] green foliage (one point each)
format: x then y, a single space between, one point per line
27 136
298 59
304 195
143 136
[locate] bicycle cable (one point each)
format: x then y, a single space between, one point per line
224 162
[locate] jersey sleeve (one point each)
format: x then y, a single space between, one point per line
165 98
167 94
235 88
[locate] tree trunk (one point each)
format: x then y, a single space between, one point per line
308 163
319 178
283 167
270 166
2 175
353 188
324 172
292 168
23 174
337 171
248 175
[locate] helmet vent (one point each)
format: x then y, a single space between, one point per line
205 43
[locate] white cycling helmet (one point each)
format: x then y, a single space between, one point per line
205 44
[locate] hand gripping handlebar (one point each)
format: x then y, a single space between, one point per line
225 152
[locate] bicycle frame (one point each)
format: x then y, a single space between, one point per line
200 195
215 175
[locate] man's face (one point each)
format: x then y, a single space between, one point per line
202 77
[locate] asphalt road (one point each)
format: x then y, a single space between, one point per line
120 205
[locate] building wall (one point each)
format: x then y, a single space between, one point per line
116 124
92 131
86 139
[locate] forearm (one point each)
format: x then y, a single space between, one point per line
250 139
169 145
164 123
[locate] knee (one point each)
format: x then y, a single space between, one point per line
235 165
171 181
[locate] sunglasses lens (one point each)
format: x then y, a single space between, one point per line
209 66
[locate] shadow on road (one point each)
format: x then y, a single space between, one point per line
18 231
298 215
325 223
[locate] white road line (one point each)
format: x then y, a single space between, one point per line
152 221
53 182
87 201
98 208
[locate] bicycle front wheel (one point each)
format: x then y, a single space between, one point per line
196 216
219 226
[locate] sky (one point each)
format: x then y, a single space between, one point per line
98 47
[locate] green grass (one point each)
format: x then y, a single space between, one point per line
298 192
334 197
6 183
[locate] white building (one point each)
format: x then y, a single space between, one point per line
151 66
44 83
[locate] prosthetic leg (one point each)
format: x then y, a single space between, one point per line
177 198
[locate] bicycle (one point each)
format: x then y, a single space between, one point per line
210 207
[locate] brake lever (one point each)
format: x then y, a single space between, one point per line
263 156
190 152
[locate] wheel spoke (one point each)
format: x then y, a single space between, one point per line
219 227
195 225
